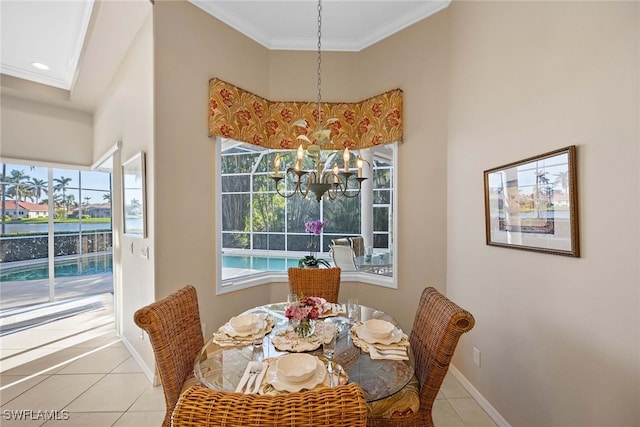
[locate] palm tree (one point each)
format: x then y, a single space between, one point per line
38 186
134 207
562 178
19 190
69 202
61 185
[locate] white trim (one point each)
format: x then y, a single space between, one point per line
230 16
217 236
39 163
109 153
266 277
146 370
479 398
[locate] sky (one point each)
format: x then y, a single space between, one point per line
91 180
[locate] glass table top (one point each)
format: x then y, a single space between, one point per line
221 367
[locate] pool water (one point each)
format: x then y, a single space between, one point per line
104 264
63 268
261 263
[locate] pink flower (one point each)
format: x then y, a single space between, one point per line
314 227
307 308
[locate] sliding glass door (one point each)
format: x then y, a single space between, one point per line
55 237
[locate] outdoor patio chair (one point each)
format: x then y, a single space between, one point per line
357 244
175 332
437 327
343 257
315 282
343 405
343 241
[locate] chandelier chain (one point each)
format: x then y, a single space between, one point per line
321 180
319 98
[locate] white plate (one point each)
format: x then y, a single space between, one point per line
243 322
318 377
228 329
364 335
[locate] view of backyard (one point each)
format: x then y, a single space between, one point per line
55 238
269 230
56 226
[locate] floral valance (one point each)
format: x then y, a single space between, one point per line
237 114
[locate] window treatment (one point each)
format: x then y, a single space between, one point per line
241 115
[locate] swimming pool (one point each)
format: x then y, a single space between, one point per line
104 264
258 262
63 268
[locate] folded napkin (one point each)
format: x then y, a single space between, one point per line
331 309
387 354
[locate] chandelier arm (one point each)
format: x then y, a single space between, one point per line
277 180
302 185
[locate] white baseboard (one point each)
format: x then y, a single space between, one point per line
484 403
148 372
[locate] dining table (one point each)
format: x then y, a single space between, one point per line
224 360
377 263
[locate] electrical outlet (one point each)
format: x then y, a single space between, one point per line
476 357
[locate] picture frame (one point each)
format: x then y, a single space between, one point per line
134 196
532 204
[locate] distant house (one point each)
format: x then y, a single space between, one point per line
560 199
98 210
25 210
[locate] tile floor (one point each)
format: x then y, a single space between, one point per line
90 378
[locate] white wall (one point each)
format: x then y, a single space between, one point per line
185 60
126 114
485 84
191 47
47 133
559 336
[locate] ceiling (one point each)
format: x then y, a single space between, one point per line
83 41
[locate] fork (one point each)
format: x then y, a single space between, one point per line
253 373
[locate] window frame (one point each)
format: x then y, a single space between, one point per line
266 277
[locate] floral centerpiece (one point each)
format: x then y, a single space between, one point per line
314 228
304 314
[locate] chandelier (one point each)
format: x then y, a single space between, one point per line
321 179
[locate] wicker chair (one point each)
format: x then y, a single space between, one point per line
343 405
437 327
173 326
317 282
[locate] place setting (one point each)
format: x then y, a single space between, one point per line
301 371
381 339
243 329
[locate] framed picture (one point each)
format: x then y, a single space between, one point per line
133 196
532 204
